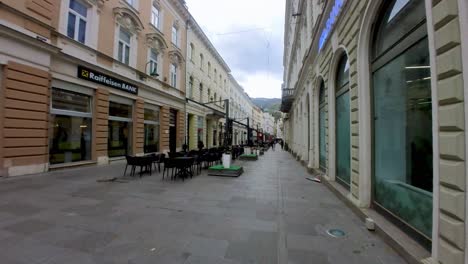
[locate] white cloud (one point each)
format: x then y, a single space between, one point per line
260 84
218 17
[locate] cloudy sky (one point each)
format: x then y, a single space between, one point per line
249 36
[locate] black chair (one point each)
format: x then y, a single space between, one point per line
169 164
131 161
145 163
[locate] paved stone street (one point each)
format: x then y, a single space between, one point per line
271 214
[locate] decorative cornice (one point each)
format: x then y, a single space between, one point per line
156 41
176 57
127 18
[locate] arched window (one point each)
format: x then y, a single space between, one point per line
215 73
191 51
209 69
402 116
322 127
209 95
201 61
190 88
201 92
343 123
173 72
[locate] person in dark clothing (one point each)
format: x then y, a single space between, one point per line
282 144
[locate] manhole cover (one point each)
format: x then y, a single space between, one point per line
336 232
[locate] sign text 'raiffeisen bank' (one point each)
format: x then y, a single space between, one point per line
335 12
104 79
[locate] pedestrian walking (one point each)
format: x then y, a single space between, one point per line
282 144
272 143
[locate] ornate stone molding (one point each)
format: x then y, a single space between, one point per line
156 41
128 19
176 57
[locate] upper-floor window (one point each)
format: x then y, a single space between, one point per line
190 88
155 16
124 46
191 51
215 72
201 61
76 28
175 35
173 75
132 2
209 69
153 62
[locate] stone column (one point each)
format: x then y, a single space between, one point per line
164 127
25 119
138 127
101 127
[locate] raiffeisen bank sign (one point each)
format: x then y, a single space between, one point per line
335 12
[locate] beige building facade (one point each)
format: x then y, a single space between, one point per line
208 84
374 95
86 82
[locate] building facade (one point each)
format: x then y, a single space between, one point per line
374 95
240 111
89 81
207 83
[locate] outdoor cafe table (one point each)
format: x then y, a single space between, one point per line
183 164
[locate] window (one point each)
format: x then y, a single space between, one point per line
191 51
119 129
151 123
322 128
124 46
175 35
343 123
153 62
77 14
201 92
174 75
209 95
132 2
71 127
402 117
155 16
215 73
201 61
209 69
190 88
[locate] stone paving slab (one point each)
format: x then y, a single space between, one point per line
268 215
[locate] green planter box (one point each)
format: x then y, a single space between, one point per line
248 157
219 170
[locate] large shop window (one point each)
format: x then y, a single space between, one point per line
71 126
322 127
120 129
151 129
402 127
343 123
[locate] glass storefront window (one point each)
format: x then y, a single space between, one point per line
403 137
119 130
71 127
151 121
120 110
343 124
322 128
402 114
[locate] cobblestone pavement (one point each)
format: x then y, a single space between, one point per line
270 214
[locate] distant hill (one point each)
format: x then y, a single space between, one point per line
268 104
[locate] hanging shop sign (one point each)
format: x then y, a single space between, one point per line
335 12
104 79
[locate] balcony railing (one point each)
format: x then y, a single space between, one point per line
286 99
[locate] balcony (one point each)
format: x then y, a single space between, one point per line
287 99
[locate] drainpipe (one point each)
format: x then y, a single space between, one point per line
187 22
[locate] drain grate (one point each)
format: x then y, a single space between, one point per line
336 232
